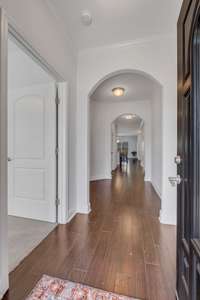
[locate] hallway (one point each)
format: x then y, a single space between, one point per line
119 247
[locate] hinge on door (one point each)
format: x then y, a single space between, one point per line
57 151
57 202
57 99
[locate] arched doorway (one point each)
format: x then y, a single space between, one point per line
142 97
127 140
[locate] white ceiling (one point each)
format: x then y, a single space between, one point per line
116 21
137 87
128 127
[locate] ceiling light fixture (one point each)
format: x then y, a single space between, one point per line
86 17
129 117
118 91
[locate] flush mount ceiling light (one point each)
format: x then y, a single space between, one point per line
118 91
129 117
86 17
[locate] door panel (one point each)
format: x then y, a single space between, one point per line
29 127
31 149
188 284
187 35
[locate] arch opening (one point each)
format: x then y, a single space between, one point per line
142 98
127 141
121 72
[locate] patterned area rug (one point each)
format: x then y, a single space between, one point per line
49 288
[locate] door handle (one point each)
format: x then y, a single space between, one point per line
177 160
175 180
9 159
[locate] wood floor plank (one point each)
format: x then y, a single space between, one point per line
150 253
156 286
77 275
99 264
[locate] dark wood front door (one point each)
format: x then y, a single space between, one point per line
188 164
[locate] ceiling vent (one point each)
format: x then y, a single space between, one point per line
86 18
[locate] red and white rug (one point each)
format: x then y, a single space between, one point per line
49 288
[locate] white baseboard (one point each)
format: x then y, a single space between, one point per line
84 211
157 190
147 179
71 215
166 220
100 177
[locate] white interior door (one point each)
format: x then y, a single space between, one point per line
31 153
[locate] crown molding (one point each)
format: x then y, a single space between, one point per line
130 43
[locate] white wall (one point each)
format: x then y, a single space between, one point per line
141 147
114 152
126 129
157 137
103 114
155 57
132 144
40 27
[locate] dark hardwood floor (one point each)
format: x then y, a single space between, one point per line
119 247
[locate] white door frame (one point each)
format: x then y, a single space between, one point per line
3 155
8 29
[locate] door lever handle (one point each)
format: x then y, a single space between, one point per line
175 180
177 160
9 159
